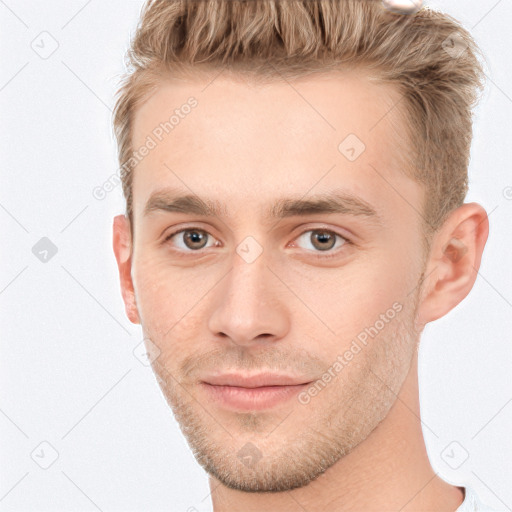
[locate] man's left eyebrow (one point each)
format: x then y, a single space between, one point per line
343 203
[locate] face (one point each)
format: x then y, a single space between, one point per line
324 291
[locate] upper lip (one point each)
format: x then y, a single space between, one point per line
255 381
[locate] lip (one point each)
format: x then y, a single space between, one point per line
256 392
255 380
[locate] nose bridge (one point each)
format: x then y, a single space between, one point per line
248 304
248 281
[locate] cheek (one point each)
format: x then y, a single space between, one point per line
157 292
341 302
171 299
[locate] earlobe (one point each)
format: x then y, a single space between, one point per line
454 261
122 250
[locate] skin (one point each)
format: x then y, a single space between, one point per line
358 444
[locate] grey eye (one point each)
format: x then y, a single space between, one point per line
190 239
321 239
195 239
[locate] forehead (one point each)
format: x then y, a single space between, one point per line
247 143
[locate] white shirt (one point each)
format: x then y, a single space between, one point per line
472 503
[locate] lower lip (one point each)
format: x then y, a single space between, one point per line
250 399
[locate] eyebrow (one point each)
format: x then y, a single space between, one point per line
340 202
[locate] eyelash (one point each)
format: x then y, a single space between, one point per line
326 256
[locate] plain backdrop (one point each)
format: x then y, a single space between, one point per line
83 424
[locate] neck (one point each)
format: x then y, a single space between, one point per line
389 470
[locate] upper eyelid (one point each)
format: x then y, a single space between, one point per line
330 230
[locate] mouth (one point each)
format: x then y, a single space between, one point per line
255 392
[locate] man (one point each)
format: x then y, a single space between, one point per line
295 175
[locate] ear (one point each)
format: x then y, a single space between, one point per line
122 250
454 261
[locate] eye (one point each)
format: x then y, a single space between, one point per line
320 240
323 240
190 238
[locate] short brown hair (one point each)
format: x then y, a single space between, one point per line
433 62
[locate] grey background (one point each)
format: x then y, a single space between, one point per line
69 376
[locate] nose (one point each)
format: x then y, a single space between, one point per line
250 304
